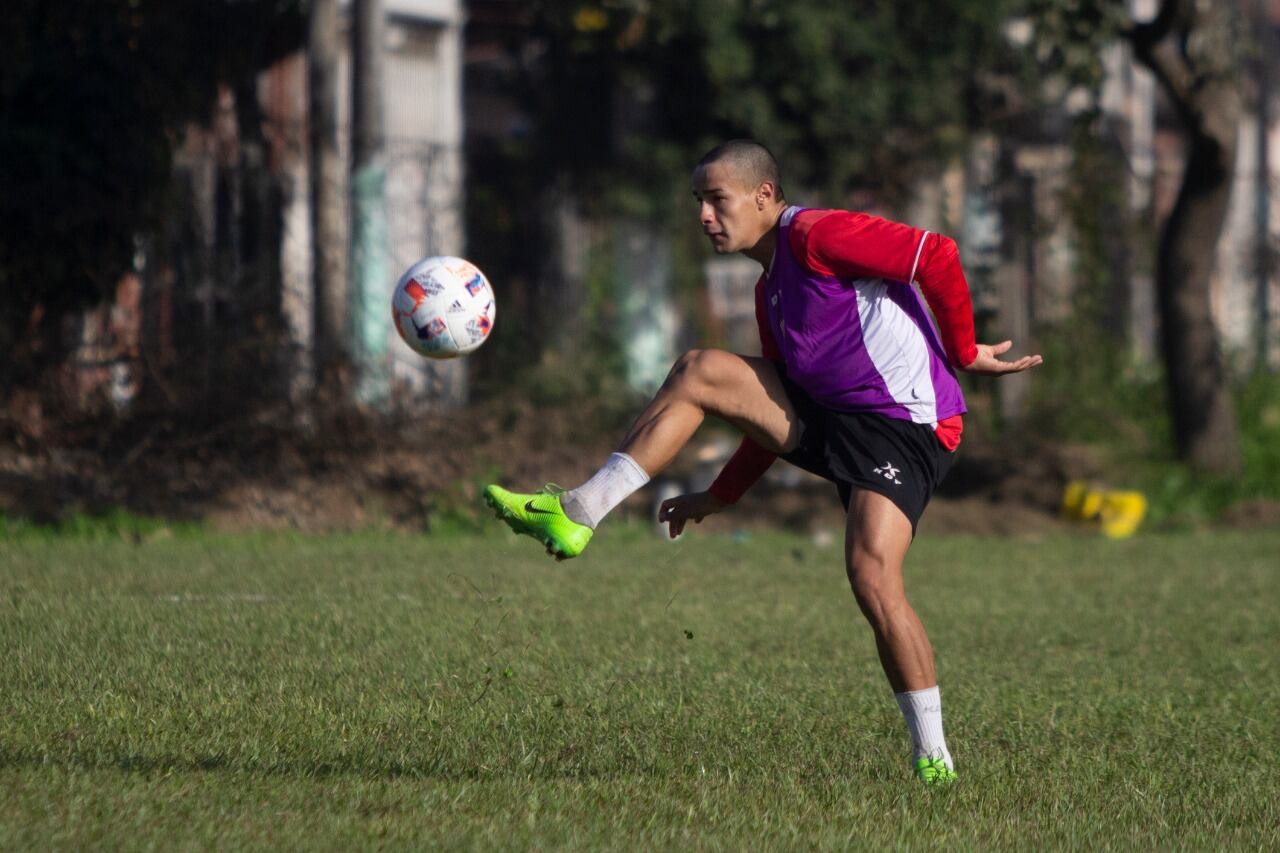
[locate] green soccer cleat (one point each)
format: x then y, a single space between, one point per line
540 515
934 771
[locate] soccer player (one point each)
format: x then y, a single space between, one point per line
856 384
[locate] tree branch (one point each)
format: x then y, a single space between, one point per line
1173 14
1153 49
1175 74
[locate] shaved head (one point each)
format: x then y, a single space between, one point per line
739 193
750 161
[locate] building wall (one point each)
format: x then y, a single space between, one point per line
424 177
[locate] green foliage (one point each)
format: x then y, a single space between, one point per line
1088 390
1071 35
458 510
621 97
469 693
116 524
582 384
1093 395
1107 243
1091 391
1181 497
1258 411
846 95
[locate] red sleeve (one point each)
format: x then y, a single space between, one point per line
743 470
750 461
858 245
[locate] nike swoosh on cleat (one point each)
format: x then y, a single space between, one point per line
529 507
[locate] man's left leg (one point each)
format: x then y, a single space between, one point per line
876 540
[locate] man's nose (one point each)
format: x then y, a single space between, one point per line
705 215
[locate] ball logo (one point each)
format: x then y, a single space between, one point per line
426 286
415 291
434 329
475 285
479 328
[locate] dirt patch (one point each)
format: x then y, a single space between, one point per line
1256 514
277 471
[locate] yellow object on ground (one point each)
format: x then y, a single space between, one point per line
1122 513
1119 512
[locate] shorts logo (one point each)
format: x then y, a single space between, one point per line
888 472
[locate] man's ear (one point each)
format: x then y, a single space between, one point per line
765 193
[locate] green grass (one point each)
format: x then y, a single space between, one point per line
209 691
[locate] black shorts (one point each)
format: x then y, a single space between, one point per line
901 460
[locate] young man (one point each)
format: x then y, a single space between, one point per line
856 384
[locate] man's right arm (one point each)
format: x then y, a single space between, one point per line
859 245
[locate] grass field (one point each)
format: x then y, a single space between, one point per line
203 690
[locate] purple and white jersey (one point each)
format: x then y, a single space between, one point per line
857 345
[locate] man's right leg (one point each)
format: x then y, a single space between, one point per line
876 542
742 390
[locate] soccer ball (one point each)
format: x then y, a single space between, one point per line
443 307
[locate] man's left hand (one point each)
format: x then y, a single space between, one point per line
988 362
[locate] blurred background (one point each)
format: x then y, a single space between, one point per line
206 204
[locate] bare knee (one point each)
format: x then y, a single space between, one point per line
692 374
876 585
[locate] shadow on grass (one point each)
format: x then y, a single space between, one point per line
148 765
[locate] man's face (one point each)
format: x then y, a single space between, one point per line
729 210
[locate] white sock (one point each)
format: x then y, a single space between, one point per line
614 483
922 710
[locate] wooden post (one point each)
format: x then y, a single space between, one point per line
328 203
370 273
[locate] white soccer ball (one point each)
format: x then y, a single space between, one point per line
443 307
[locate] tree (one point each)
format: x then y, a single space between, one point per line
859 94
620 97
1190 48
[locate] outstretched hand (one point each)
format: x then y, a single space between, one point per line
678 510
988 362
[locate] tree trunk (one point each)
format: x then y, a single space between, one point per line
368 28
1188 48
1199 394
328 200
